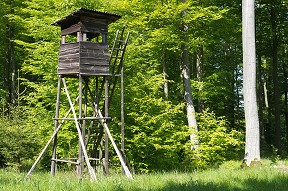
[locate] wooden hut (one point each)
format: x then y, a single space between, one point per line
84 47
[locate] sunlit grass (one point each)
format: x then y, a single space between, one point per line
229 176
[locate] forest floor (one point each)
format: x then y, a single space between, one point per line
229 176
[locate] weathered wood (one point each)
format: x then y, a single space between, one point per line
77 58
69 53
68 46
122 161
106 105
70 30
53 163
84 36
94 20
95 159
63 39
69 62
83 14
70 65
86 118
90 61
50 140
79 36
68 71
93 24
92 71
80 166
67 161
122 115
90 169
93 46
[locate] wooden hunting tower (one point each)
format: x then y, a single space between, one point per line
84 54
89 54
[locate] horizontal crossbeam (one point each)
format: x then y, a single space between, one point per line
86 118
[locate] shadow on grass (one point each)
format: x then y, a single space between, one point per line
279 183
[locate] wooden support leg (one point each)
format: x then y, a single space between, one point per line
80 166
122 116
48 143
121 158
53 162
106 162
90 169
50 140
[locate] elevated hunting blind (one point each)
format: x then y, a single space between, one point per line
84 54
88 55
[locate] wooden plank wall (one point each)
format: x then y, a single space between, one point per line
86 58
94 58
69 58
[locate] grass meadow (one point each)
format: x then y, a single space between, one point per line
229 176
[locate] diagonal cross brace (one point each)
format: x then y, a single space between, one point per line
50 140
124 166
104 124
90 169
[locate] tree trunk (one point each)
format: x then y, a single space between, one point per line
199 75
165 76
252 142
238 93
260 97
185 71
13 67
285 93
12 58
275 80
7 79
10 65
286 107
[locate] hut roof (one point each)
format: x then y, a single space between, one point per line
75 17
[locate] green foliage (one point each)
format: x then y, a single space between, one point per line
155 142
217 142
21 134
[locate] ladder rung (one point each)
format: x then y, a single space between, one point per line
118 49
94 159
113 75
94 128
61 160
84 118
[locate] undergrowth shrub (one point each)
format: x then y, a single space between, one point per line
218 143
22 135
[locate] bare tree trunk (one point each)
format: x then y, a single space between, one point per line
185 71
199 75
285 92
7 79
275 80
10 65
260 86
252 146
260 97
12 59
286 107
237 113
165 76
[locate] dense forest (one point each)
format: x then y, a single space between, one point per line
173 43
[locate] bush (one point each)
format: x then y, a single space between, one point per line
21 136
218 143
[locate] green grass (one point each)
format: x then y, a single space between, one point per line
229 176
